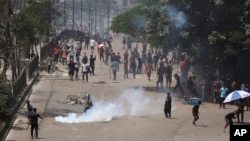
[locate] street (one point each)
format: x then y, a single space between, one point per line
124 110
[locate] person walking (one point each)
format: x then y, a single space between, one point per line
229 119
223 94
92 45
114 67
190 85
178 83
33 121
64 56
29 106
49 62
71 66
240 111
203 84
87 38
195 112
125 69
160 75
148 70
169 70
167 106
77 66
101 53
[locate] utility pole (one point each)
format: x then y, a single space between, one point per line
64 10
81 16
95 15
89 19
73 19
108 18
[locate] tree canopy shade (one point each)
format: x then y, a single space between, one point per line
33 21
219 29
132 22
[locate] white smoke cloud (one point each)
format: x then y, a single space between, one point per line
178 17
132 102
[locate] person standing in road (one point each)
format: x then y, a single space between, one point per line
203 84
85 70
240 111
86 42
160 75
92 64
167 106
148 70
125 69
195 112
33 121
71 66
92 45
49 62
77 66
223 94
114 67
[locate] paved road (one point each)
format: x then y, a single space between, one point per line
125 110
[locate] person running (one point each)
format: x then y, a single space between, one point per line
167 106
178 83
33 121
229 119
88 102
195 112
29 106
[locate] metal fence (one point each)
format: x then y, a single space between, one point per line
20 83
33 65
45 51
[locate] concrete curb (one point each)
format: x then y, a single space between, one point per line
25 94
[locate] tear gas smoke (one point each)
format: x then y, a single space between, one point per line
178 17
132 102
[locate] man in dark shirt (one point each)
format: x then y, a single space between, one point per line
195 112
29 106
178 83
89 103
33 121
167 106
92 64
229 118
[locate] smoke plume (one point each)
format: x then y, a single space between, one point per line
132 102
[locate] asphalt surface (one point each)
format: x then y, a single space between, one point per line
124 110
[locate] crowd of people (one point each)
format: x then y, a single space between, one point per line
82 58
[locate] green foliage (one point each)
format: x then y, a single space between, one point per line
32 21
131 22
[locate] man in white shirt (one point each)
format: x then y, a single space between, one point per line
92 45
85 71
